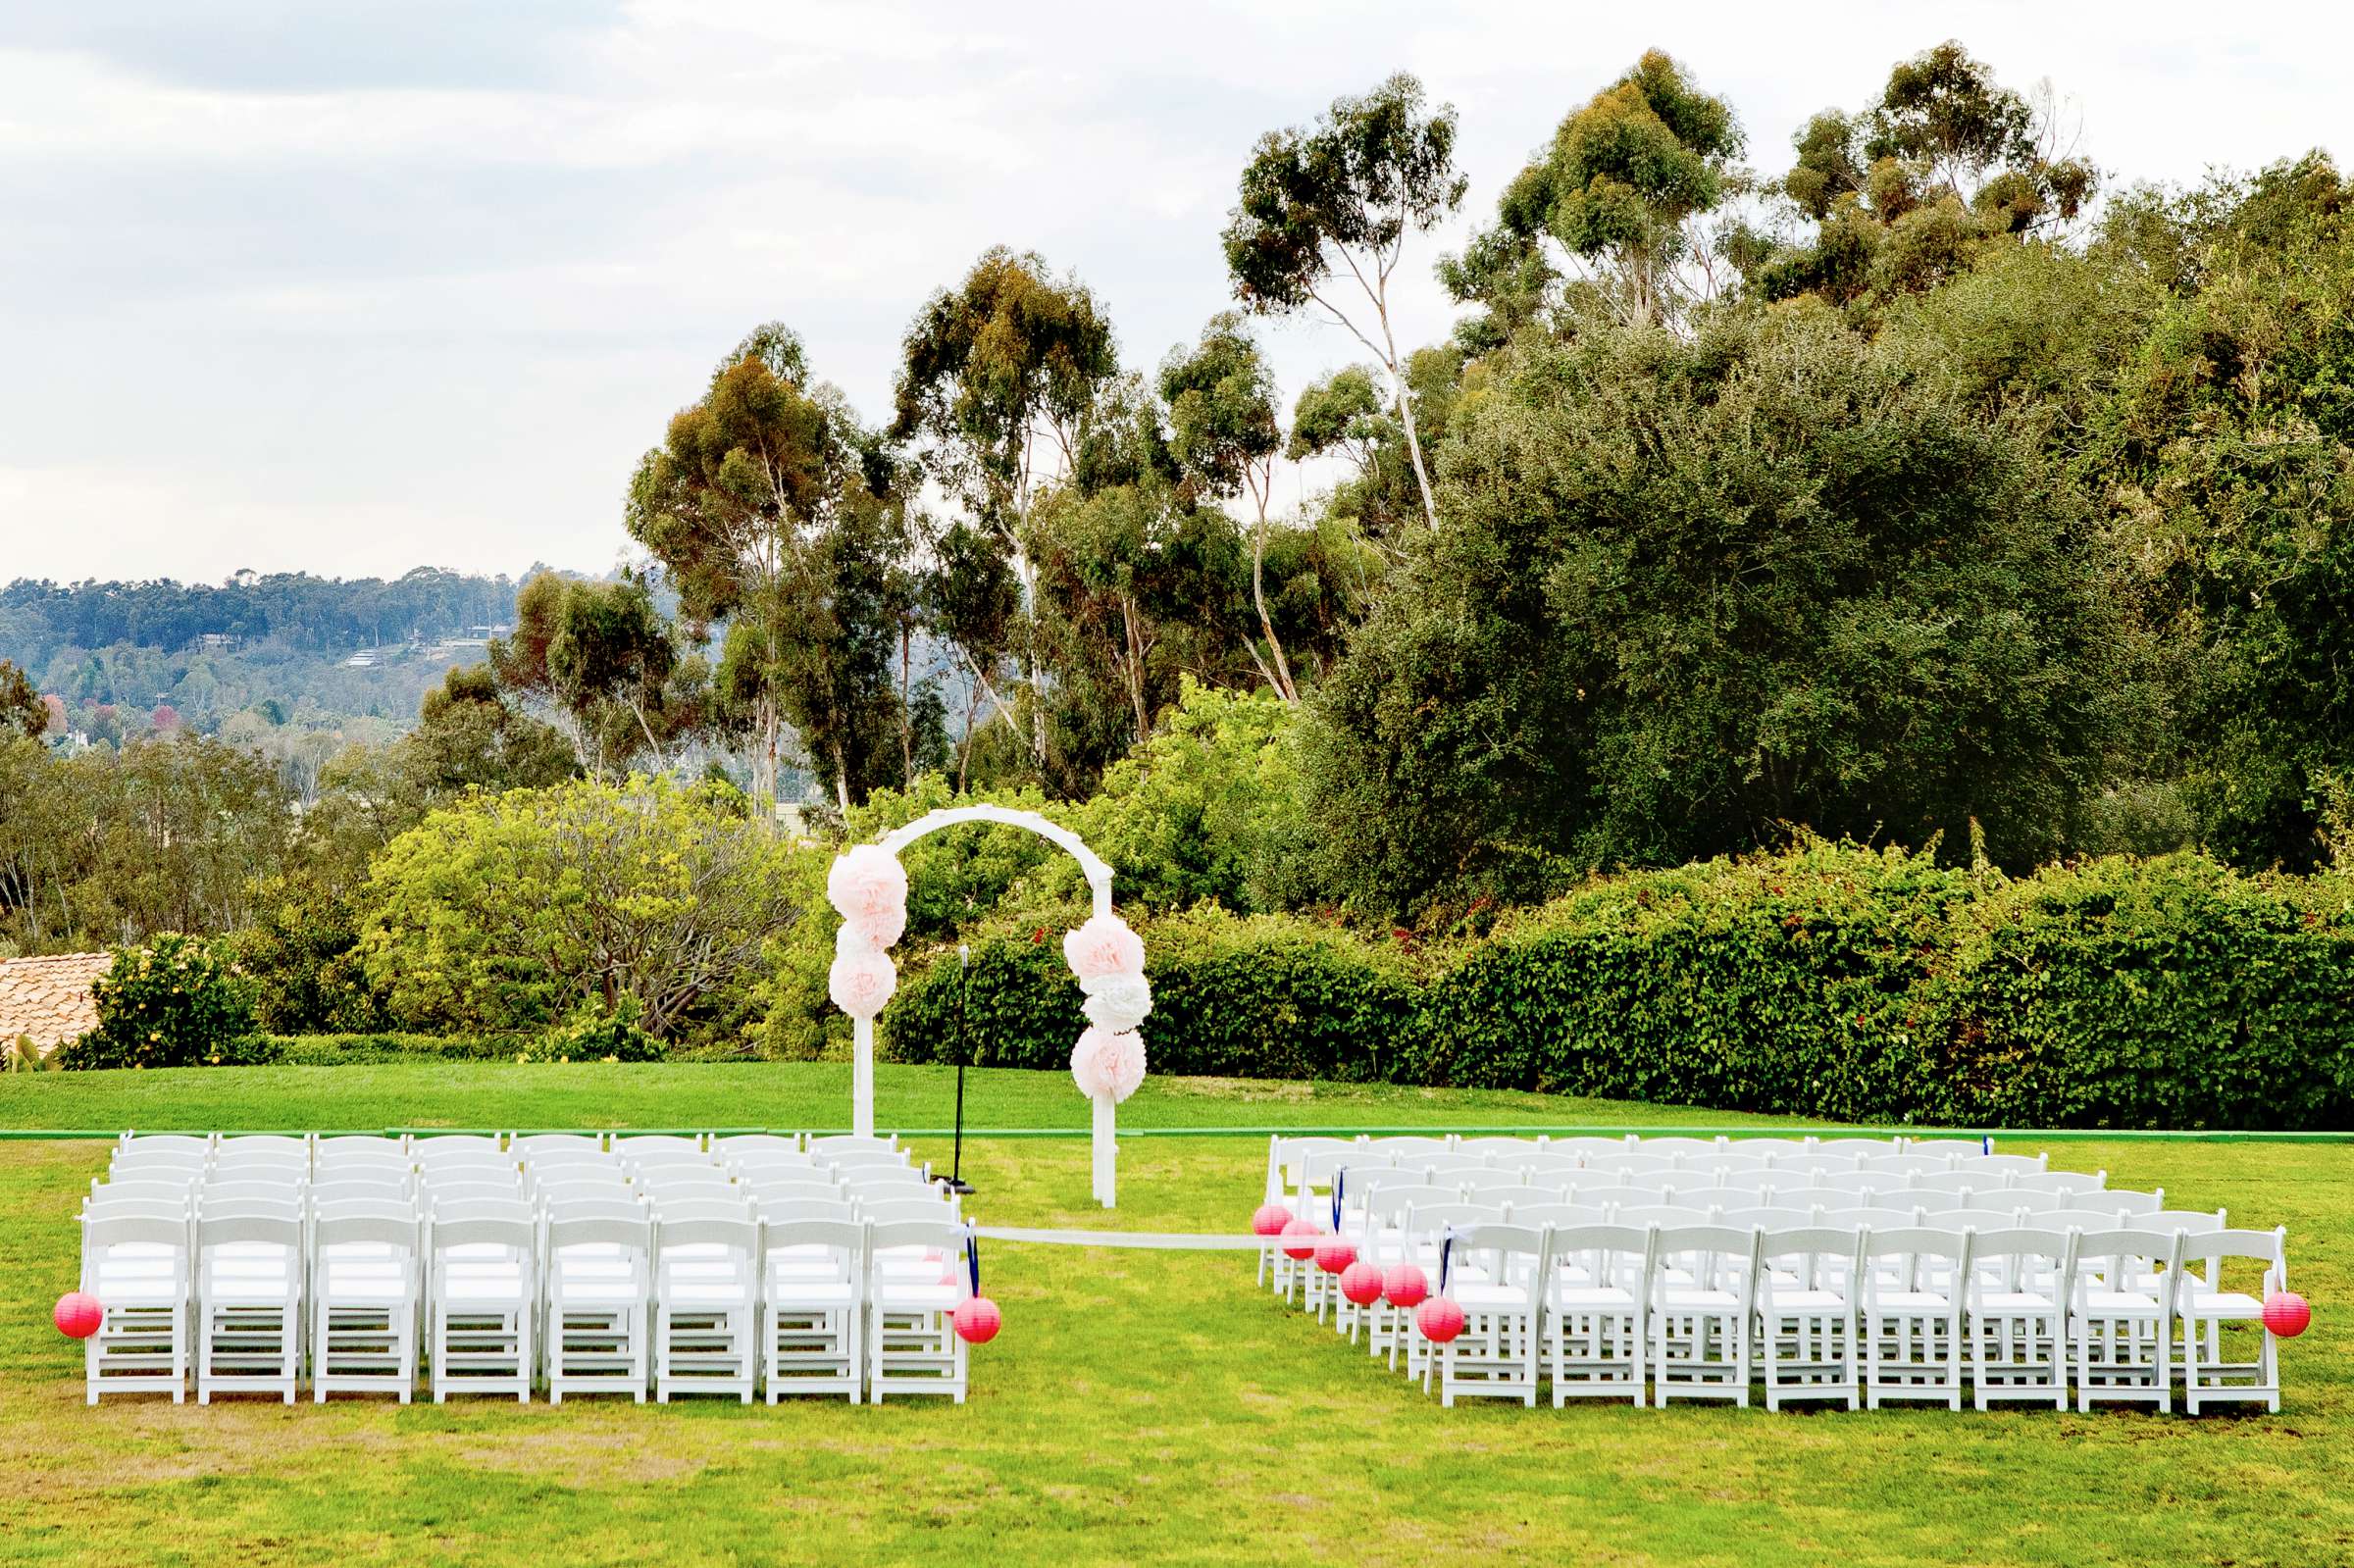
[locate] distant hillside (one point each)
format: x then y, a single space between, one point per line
299 649
300 612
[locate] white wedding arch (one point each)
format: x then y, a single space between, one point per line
1104 953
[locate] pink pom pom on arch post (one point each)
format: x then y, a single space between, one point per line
1100 945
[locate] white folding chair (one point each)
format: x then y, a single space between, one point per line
1294 1168
136 1260
2008 1164
484 1296
706 1303
746 1145
1500 1353
813 1275
1807 1313
2205 1309
249 1269
537 1147
855 1143
1912 1319
2076 1184
2121 1304
2016 1316
1402 1145
1700 1347
1597 1303
911 1344
1496 1145
365 1293
599 1296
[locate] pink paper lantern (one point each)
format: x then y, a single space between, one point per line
2286 1314
1439 1319
78 1315
978 1320
1360 1283
1305 1250
1405 1286
1270 1219
1335 1254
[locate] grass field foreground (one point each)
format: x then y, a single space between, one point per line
1138 1406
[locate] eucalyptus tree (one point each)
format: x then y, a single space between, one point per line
998 375
1225 435
1340 199
1618 190
600 660
742 504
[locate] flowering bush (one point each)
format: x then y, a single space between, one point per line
179 1001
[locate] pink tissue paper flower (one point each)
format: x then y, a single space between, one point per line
868 883
861 983
1103 946
1106 1064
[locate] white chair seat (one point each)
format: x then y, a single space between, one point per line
900 1296
705 1293
1698 1299
1912 1301
2222 1304
2120 1303
339 1288
812 1294
1592 1299
596 1292
1809 1301
136 1289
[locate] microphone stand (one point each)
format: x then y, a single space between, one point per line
955 1181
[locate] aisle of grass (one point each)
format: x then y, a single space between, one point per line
1147 1406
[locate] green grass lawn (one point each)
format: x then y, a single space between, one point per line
1140 1406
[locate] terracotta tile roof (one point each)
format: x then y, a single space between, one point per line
49 998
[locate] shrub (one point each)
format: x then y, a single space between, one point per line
1826 980
1268 996
504 914
1770 984
302 954
595 1033
2167 992
178 1001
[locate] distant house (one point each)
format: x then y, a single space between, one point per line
50 999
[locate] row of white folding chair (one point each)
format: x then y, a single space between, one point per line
1830 1314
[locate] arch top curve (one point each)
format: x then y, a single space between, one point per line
1092 865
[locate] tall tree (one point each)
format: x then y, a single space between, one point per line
999 373
1906 191
1695 589
1340 197
599 658
1224 434
1621 189
749 484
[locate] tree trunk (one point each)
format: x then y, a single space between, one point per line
1136 667
1259 596
907 719
1406 410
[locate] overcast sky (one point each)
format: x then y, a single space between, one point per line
356 287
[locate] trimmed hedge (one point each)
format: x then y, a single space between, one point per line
1826 980
1268 996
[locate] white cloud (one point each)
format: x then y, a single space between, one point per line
365 287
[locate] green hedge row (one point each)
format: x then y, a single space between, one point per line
1827 980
